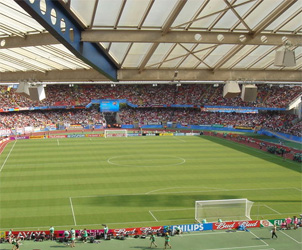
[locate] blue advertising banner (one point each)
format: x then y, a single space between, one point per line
75 136
193 227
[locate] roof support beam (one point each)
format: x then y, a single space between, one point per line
155 75
51 16
238 16
246 14
165 29
152 36
228 56
30 40
272 16
149 36
286 21
209 75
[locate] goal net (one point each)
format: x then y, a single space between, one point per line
226 210
115 133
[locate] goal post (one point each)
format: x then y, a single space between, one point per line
115 133
226 210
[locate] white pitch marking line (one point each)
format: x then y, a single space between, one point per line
234 247
244 247
179 209
259 238
153 191
291 238
183 192
74 219
153 215
58 142
272 209
109 223
8 156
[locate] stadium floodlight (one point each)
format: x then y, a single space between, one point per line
227 210
115 133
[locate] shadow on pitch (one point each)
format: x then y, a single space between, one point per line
254 152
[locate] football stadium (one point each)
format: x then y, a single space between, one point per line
139 124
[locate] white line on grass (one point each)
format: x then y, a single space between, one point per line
272 209
8 156
291 237
298 189
99 224
259 238
153 191
244 247
109 160
74 219
275 214
199 233
153 215
180 209
182 192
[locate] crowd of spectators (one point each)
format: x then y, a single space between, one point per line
274 121
147 95
10 120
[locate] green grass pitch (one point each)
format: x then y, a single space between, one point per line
137 181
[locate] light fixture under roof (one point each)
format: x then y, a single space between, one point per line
285 57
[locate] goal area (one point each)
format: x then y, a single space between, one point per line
225 210
115 133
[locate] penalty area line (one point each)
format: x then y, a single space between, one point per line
153 216
259 238
73 215
291 238
272 209
8 156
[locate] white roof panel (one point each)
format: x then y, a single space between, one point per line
137 17
107 12
253 56
159 54
240 54
190 60
218 53
263 10
83 10
286 14
159 13
133 12
119 50
136 54
187 12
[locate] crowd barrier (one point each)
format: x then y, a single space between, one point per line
197 227
138 231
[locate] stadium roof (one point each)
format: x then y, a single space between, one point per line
149 40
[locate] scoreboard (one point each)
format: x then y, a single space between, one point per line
109 106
